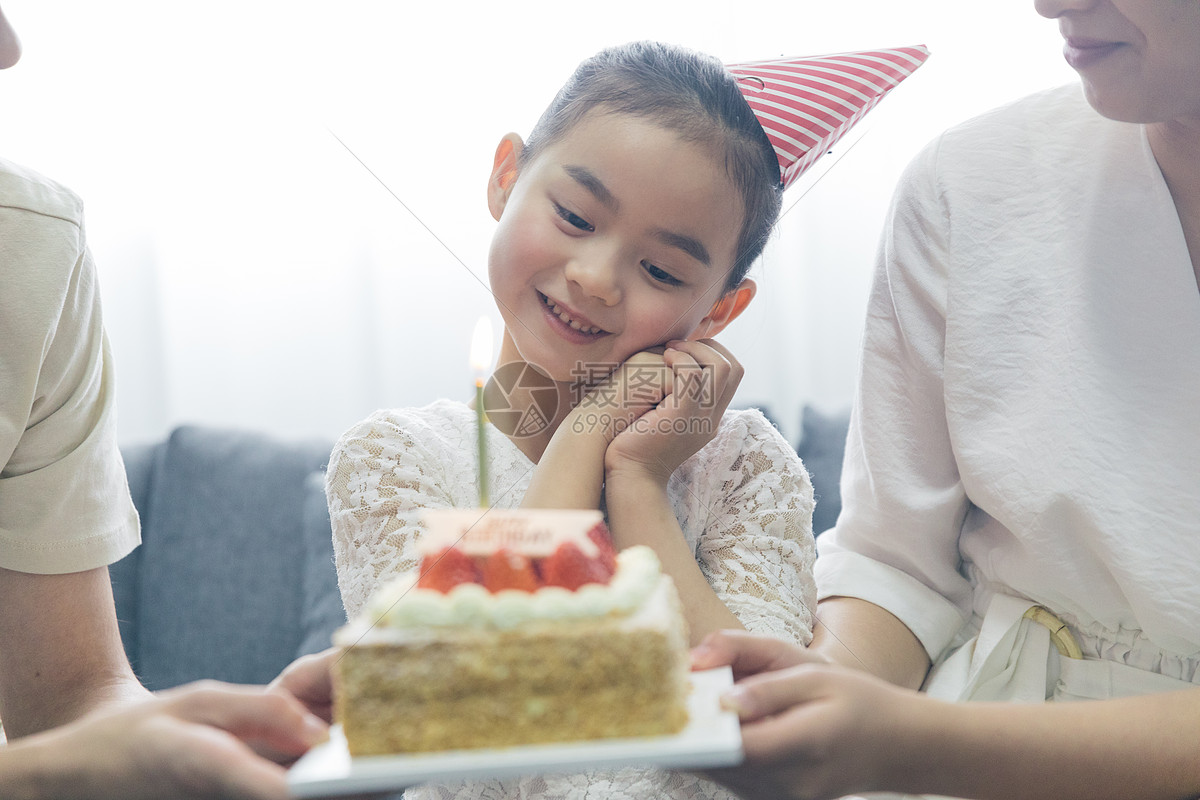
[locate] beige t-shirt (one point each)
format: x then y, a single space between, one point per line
64 498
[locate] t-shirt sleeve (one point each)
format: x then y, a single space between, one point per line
752 501
903 503
64 498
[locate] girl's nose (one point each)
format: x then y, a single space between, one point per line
1053 9
596 275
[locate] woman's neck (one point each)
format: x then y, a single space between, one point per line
1176 147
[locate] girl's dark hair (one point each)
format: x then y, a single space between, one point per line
686 92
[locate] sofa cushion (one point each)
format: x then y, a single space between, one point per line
822 447
321 611
222 570
140 467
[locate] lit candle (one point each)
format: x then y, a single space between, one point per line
481 354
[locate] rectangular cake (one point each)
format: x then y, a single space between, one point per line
522 627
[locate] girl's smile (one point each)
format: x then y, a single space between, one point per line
571 324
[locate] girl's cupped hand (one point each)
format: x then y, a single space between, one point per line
701 379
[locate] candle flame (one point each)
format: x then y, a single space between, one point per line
481 345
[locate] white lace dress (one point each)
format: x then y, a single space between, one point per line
744 502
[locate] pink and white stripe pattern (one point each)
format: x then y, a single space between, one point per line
806 104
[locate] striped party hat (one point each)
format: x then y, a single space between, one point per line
806 104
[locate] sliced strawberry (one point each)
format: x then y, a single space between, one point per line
569 568
505 569
444 570
600 536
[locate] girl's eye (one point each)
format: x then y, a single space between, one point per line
574 220
660 275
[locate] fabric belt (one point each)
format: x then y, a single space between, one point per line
1012 659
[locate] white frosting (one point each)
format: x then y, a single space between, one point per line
402 605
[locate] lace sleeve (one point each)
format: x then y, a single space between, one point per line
751 500
380 477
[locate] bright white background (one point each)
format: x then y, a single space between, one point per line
255 274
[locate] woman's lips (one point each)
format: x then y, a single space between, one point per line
1082 52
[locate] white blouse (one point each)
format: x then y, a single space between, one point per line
1028 416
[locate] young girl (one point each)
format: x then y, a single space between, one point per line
626 226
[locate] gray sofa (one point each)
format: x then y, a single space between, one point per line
821 447
235 578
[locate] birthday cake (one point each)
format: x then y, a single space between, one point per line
520 627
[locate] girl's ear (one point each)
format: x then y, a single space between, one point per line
504 173
726 310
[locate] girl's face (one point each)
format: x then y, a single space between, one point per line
1139 59
617 237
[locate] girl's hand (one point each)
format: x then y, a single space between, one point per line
570 472
811 729
641 458
703 378
631 390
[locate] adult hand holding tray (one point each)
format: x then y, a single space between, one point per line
711 739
